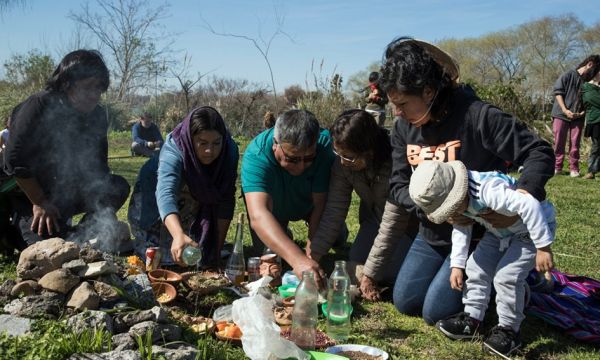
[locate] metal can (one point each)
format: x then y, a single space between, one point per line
153 256
253 269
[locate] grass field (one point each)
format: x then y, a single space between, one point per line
379 324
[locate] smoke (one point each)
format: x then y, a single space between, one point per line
103 231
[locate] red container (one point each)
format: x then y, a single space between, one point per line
153 256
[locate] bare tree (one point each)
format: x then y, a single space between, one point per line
186 81
262 44
129 29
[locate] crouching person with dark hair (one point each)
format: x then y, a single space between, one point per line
58 150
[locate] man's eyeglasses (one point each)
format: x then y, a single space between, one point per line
350 160
296 159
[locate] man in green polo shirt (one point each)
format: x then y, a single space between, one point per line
285 177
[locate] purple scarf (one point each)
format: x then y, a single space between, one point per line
208 184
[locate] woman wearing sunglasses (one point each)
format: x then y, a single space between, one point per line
363 165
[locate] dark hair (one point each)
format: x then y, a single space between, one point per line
589 75
357 131
207 118
374 76
78 65
408 68
299 128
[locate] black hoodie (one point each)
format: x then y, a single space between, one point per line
481 136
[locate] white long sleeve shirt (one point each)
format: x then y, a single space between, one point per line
494 191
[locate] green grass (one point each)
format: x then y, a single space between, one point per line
379 324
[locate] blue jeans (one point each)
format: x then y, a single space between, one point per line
422 285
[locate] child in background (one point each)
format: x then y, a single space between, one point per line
503 258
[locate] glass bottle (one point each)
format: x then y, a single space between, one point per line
338 303
305 313
236 266
191 255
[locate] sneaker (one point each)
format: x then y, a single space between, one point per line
459 327
502 341
574 173
589 176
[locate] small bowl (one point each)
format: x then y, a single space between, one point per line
162 275
164 292
287 290
361 348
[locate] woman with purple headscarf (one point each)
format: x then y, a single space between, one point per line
194 178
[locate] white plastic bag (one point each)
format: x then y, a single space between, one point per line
260 333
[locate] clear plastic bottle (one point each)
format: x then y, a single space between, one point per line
191 255
338 303
305 313
236 266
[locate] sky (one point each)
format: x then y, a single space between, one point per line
341 36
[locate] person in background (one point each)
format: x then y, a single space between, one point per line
591 103
363 165
376 99
147 138
568 112
269 120
440 119
58 151
189 190
4 134
504 256
285 177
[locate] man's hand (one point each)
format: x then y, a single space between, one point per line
309 264
456 279
45 218
151 145
179 243
369 289
544 259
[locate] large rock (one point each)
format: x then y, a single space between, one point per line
111 355
36 306
84 297
25 288
139 290
160 332
6 288
122 342
90 255
14 325
75 266
96 269
182 352
123 322
42 257
106 292
59 280
90 320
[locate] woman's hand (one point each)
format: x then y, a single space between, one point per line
45 218
456 279
369 289
179 243
544 259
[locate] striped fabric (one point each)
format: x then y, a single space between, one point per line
573 305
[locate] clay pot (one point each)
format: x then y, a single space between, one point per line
269 265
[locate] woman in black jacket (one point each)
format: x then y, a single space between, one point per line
442 120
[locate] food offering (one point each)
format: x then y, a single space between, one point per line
163 275
206 282
198 324
228 331
283 315
164 292
358 352
322 341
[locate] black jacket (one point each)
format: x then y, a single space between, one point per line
480 135
63 149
